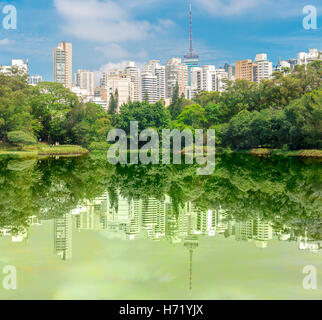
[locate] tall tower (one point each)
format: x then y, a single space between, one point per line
63 63
191 243
191 59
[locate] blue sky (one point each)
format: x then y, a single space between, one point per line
106 33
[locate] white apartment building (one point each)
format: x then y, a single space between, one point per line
34 80
159 71
63 63
85 80
149 87
134 73
304 58
21 65
264 67
101 102
196 81
176 72
123 85
207 78
219 83
83 95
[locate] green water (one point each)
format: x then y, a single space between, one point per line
82 229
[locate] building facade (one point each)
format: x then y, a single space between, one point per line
176 73
63 64
85 80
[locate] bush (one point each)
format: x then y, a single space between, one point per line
21 138
99 146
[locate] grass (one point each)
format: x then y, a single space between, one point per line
46 150
41 150
286 153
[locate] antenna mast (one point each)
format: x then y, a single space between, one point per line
190 14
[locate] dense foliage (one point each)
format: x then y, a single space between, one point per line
49 113
282 112
281 190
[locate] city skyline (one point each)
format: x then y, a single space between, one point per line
279 33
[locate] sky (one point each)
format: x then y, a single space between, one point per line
106 33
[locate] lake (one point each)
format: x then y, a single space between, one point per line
80 228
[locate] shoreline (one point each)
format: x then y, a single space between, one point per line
313 153
44 151
77 151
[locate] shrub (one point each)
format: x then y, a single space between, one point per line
21 138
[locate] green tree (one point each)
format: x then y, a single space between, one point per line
113 104
147 115
192 117
51 106
146 96
305 119
205 98
178 103
21 138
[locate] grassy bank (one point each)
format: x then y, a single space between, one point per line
286 153
41 150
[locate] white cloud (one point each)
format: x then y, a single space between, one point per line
111 66
5 42
229 7
104 21
255 8
115 52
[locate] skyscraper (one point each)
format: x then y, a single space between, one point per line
191 59
176 73
134 73
264 67
149 87
63 62
159 71
85 79
246 70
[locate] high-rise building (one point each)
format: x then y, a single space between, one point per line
264 67
304 58
202 79
149 87
176 73
219 80
63 62
85 79
134 73
246 70
207 78
196 81
230 71
124 87
191 59
158 71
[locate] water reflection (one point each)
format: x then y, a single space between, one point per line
247 200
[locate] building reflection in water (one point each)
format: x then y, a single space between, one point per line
154 219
